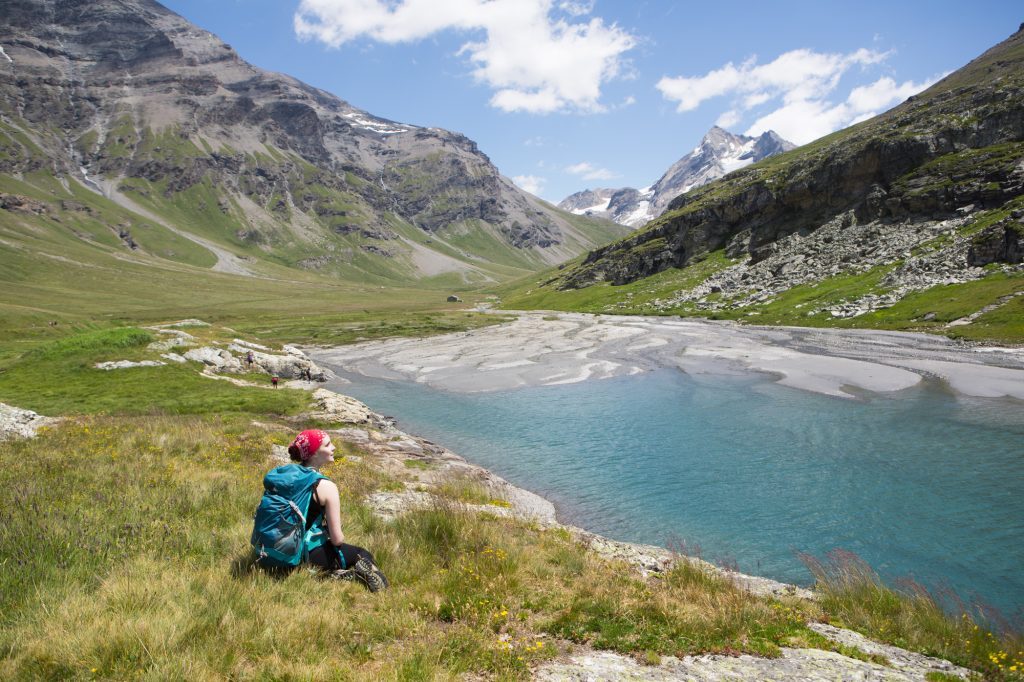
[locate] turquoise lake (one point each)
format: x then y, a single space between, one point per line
919 483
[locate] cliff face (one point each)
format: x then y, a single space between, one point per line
953 150
129 98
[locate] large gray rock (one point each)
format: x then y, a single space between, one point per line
293 364
805 665
18 423
215 358
334 407
178 340
126 364
1001 243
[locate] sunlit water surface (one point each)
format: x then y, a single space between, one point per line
919 484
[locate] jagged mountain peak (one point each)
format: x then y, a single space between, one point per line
718 153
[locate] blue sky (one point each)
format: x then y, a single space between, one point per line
563 95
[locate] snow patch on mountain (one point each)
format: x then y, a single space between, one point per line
376 125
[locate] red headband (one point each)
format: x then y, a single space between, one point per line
308 442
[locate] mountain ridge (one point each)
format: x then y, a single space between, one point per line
128 98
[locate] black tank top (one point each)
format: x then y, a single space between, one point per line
315 508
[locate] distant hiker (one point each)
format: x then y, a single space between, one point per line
299 517
249 359
273 380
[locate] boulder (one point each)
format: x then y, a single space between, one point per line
1001 243
334 407
249 344
217 358
180 340
173 357
188 323
18 423
125 364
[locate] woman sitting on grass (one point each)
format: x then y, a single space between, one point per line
302 483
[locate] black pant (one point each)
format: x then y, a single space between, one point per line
330 558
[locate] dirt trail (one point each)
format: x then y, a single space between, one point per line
226 261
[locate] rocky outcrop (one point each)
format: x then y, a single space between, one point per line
293 364
126 364
1001 243
329 406
806 665
217 359
16 203
919 255
178 339
18 423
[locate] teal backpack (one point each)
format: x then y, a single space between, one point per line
279 534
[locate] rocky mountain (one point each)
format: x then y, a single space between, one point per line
719 153
927 194
212 161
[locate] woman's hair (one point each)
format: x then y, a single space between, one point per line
295 453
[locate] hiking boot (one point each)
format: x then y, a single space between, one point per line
367 572
347 574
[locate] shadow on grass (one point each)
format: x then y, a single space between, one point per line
245 566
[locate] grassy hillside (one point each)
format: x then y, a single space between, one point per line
996 296
125 552
271 211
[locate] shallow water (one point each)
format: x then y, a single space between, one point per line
918 483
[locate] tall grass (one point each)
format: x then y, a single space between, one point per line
853 595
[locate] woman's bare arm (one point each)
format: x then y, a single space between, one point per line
327 495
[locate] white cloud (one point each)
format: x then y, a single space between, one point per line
538 58
751 101
590 172
577 9
728 119
883 93
806 120
531 183
794 75
799 84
